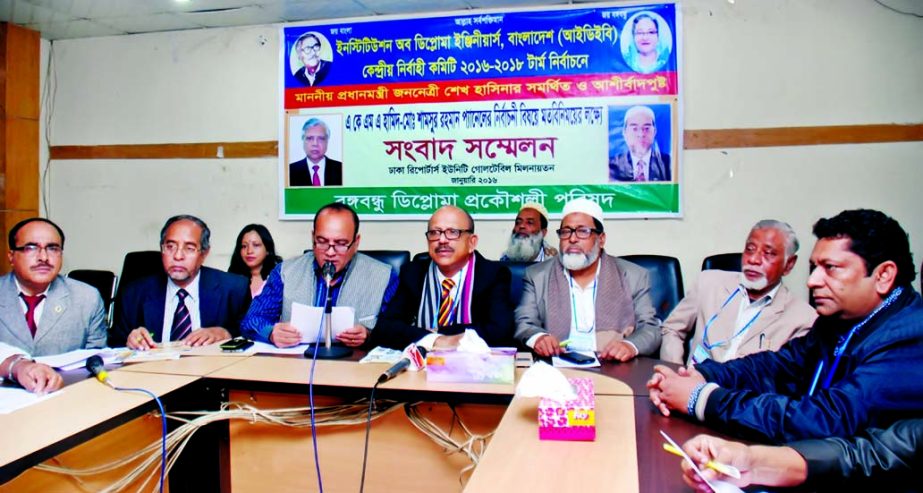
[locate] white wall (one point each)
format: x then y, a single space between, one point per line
754 63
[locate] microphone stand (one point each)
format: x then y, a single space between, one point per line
328 350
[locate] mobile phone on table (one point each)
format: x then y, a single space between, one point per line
577 358
236 344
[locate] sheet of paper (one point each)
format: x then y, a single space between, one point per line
14 398
266 348
560 363
76 359
308 320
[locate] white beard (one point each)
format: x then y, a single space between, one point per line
757 285
580 261
524 249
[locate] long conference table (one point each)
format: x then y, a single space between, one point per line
88 424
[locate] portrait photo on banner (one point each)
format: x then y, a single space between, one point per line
640 142
646 42
315 150
310 59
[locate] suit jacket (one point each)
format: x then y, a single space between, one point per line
785 318
224 299
621 168
72 318
531 313
299 175
319 76
490 306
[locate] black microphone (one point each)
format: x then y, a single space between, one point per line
399 367
96 368
329 270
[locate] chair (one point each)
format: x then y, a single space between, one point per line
666 281
138 265
103 280
395 258
723 261
517 271
421 255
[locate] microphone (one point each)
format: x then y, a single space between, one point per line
96 367
401 366
329 270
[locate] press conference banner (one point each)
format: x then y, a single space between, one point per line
484 111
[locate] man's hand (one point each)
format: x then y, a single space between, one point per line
619 351
354 336
705 448
206 336
547 345
36 377
670 390
285 334
447 342
140 339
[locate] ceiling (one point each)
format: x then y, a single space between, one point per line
66 19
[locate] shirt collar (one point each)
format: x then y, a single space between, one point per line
766 299
19 288
646 157
192 288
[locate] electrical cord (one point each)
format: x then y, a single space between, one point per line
368 429
320 330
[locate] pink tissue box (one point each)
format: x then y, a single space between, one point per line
573 420
497 366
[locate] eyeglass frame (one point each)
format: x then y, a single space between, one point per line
336 247
33 249
188 249
445 232
573 231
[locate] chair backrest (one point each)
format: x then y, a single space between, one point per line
103 280
723 261
517 271
138 265
395 258
666 281
420 255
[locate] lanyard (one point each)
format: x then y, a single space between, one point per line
844 341
715 316
573 305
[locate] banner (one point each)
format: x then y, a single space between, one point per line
486 111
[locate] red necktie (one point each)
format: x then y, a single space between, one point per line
315 181
639 171
31 303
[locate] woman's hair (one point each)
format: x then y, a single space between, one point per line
238 266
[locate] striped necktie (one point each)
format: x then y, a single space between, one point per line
182 321
445 307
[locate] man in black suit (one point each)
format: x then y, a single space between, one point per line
314 69
643 160
452 290
316 169
197 305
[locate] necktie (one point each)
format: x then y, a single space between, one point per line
315 180
182 321
446 306
639 171
31 303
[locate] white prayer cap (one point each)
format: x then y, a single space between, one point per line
585 206
537 207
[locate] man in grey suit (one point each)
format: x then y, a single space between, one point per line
41 312
559 299
642 160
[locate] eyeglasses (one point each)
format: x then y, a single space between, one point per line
339 246
32 249
646 33
170 248
315 139
308 48
582 232
640 129
450 234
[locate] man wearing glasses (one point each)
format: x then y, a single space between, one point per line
316 169
315 69
360 282
188 302
452 290
44 313
584 299
642 160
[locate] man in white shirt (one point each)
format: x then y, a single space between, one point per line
642 160
316 169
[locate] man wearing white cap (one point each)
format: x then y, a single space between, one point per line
585 297
527 242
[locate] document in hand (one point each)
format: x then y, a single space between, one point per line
309 321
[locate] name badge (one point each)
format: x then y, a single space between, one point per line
700 354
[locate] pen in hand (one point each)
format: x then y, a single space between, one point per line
725 469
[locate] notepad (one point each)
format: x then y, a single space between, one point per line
309 320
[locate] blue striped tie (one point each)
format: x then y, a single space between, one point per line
182 321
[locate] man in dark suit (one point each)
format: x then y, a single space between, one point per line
452 290
643 160
190 303
316 169
314 69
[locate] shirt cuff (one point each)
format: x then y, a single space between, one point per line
531 341
427 341
637 352
703 399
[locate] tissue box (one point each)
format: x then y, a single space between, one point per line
497 366
571 420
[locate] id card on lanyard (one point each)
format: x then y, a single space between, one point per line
702 351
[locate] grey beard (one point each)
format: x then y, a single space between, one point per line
579 261
524 249
758 285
